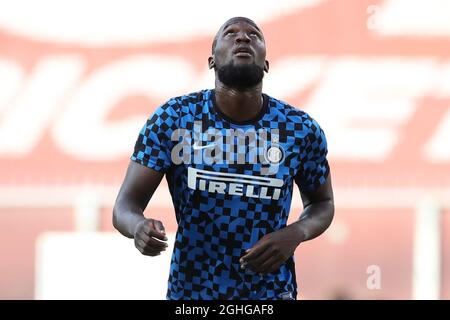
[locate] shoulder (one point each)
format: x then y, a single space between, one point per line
192 98
187 103
293 114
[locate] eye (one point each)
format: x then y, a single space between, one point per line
229 32
255 34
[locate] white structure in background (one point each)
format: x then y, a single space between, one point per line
98 265
88 264
427 250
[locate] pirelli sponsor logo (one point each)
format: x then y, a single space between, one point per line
234 184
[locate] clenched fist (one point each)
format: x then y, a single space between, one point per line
150 237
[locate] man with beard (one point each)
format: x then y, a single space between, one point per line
231 196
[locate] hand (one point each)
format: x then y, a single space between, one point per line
272 250
147 236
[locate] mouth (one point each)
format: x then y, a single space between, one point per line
244 52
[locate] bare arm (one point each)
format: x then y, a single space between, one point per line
128 214
136 191
318 212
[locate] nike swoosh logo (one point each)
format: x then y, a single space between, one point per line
197 147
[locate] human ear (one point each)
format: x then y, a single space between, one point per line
266 66
211 62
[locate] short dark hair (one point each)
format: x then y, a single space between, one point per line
228 22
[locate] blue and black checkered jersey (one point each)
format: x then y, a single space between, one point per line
231 183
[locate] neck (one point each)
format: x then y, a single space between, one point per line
236 104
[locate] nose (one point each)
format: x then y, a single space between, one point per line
242 37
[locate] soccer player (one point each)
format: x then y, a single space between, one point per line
230 156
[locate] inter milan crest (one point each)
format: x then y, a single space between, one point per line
274 153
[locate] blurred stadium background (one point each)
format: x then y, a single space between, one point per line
79 78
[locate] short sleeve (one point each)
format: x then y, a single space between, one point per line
153 145
314 168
